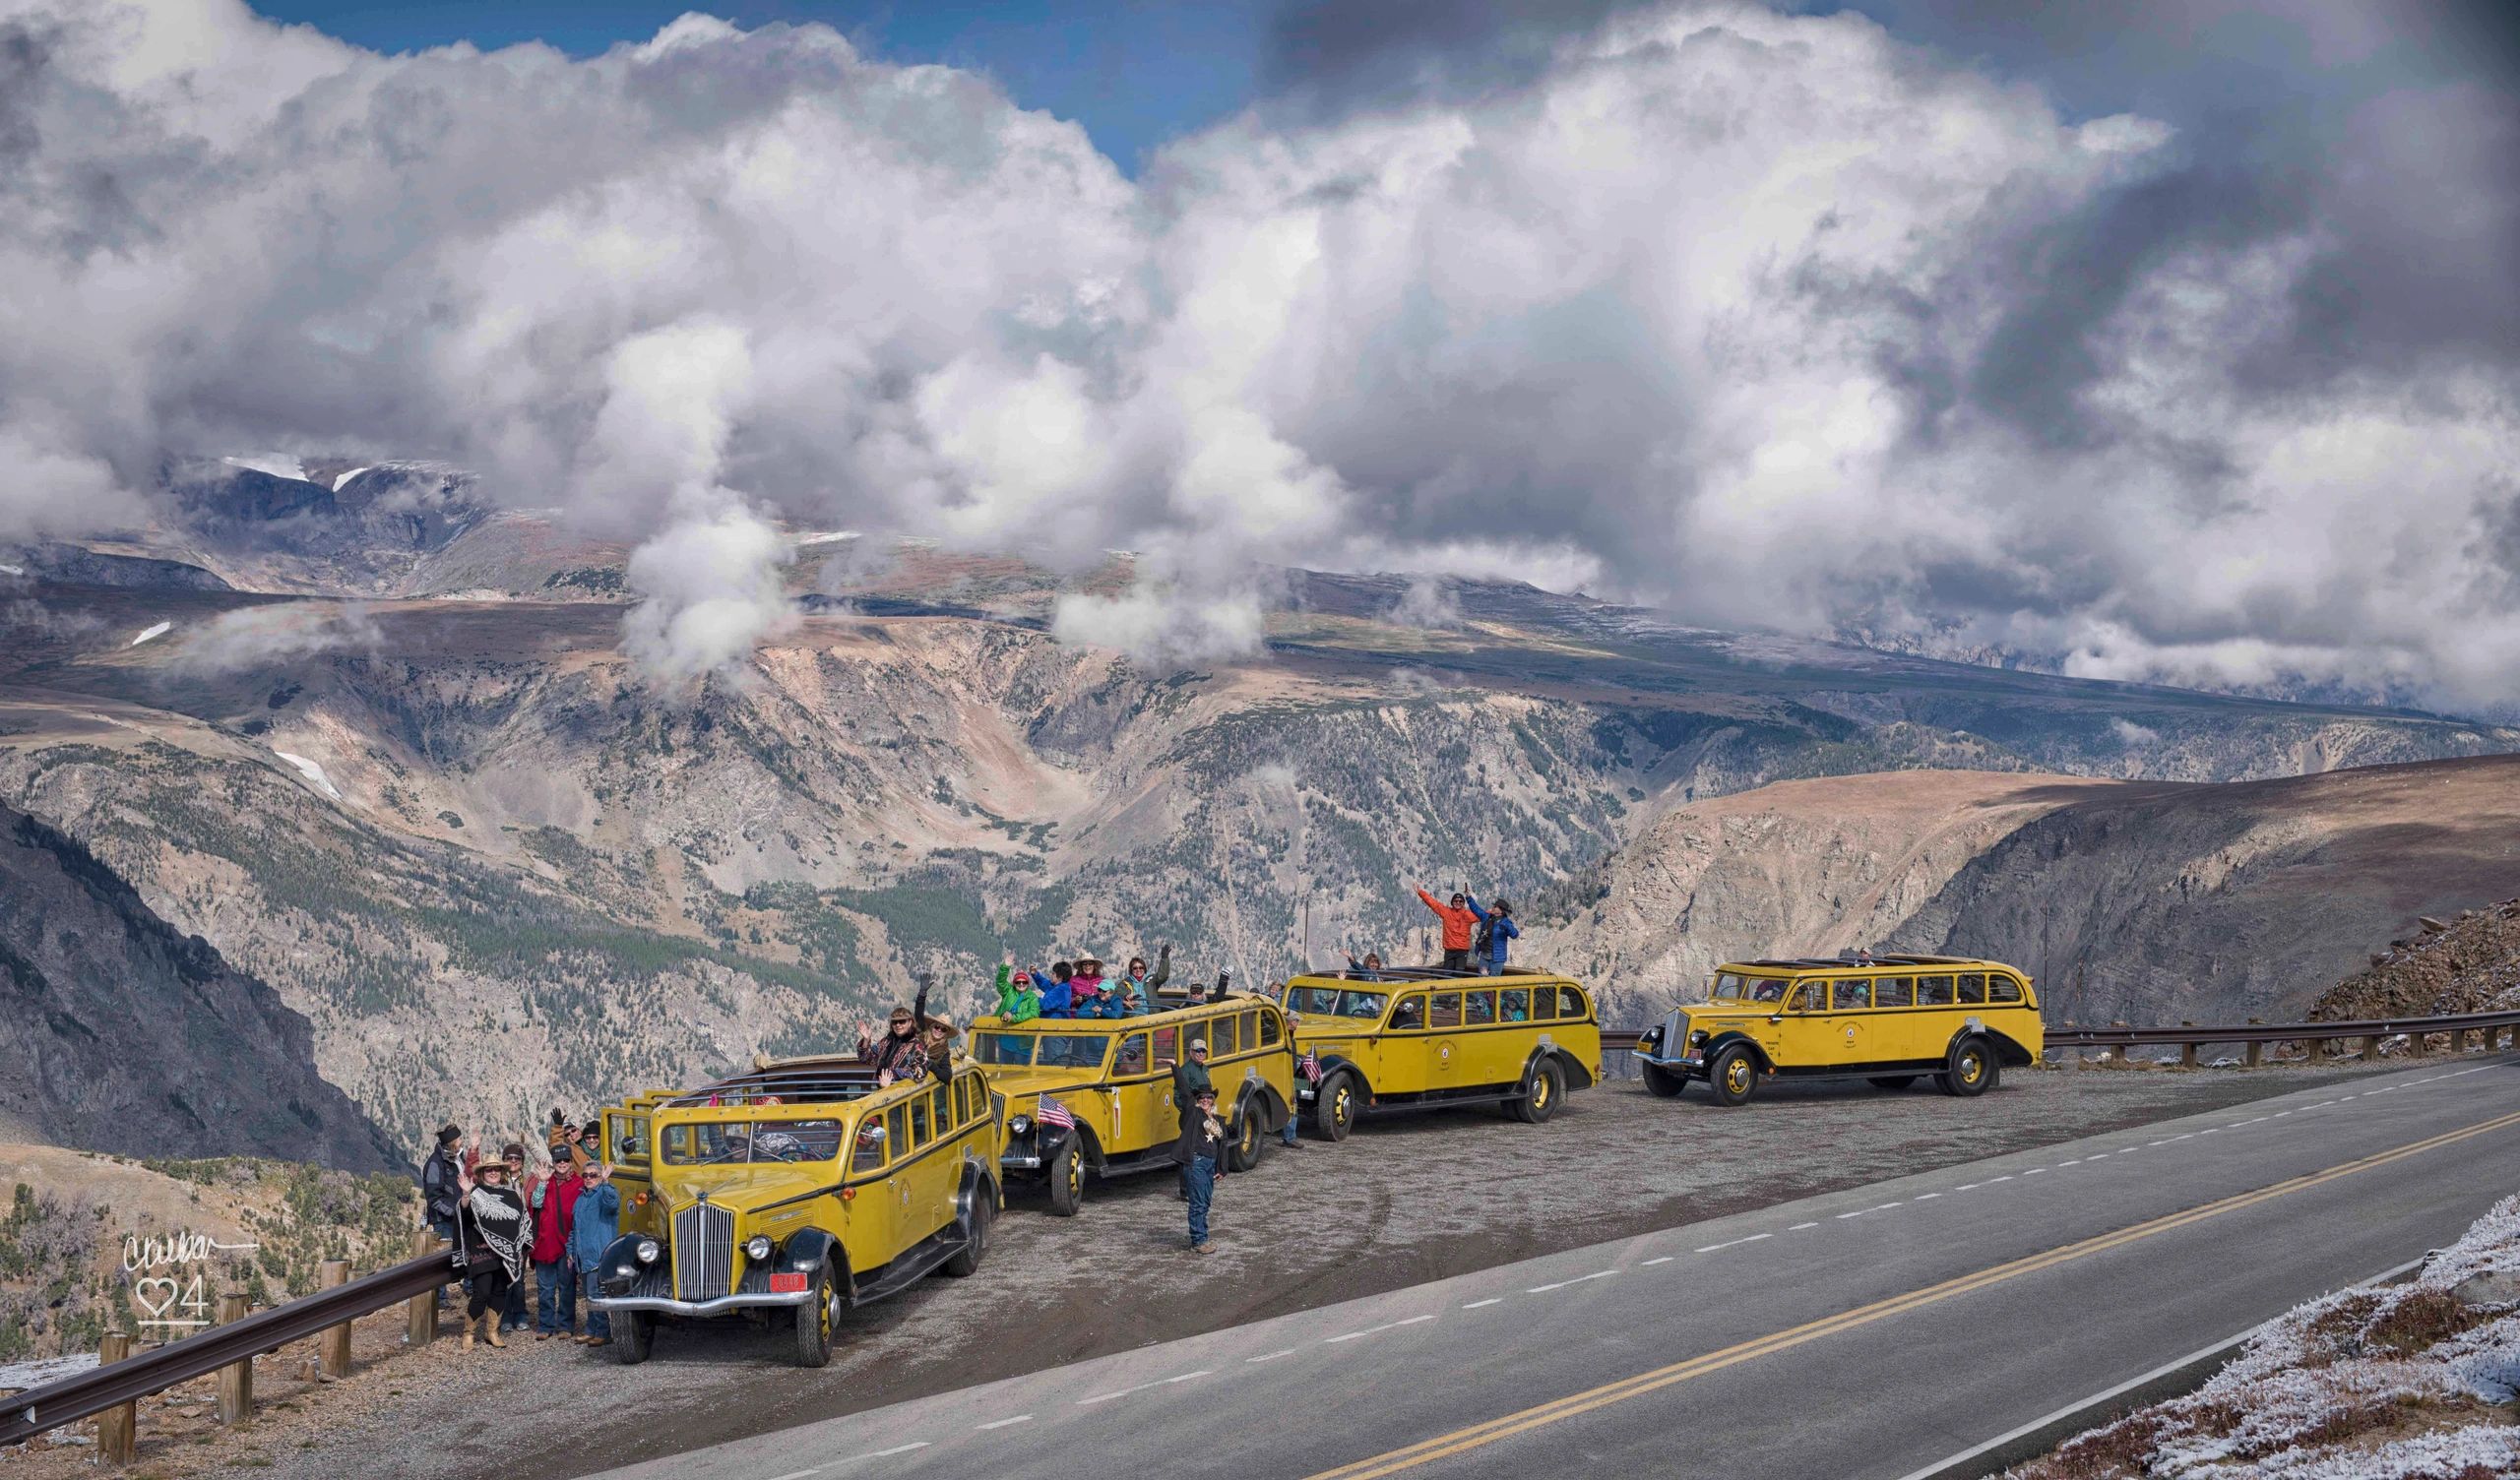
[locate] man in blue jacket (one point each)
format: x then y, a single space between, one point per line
1495 927
599 1223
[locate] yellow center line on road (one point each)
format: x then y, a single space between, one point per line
1445 1445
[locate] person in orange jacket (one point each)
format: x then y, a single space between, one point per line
1459 923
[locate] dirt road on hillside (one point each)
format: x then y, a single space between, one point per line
1401 1202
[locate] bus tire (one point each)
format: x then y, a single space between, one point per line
1971 1070
1543 1089
814 1321
967 1260
1334 1107
634 1337
1068 1179
1734 1075
1243 1150
1662 1084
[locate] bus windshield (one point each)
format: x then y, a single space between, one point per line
730 1143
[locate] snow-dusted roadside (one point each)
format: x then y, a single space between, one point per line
2408 1382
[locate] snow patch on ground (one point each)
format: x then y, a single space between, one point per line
2404 1381
313 773
343 481
826 537
277 464
12 570
157 630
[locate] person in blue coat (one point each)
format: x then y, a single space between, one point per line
599 1223
1056 1000
1495 927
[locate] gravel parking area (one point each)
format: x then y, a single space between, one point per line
1405 1200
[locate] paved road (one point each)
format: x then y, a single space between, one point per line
1866 1333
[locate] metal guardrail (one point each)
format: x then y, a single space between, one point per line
26 1414
2118 1035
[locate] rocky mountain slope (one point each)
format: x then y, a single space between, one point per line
2468 962
125 1035
2135 902
493 868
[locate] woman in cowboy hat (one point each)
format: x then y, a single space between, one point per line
494 1236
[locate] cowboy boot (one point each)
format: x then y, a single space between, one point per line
468 1323
491 1329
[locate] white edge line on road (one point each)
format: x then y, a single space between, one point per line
1105 1398
1859 1212
2097 1398
1967 1187
2077 1161
1921 1197
1367 1332
1020 1418
2033 1171
1735 1243
798 1474
2006 1177
899 1449
1798 1227
1490 1300
1600 1274
1272 1356
1651 1263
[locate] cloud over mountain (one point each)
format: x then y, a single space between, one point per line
1773 318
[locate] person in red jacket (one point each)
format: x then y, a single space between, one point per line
555 1283
1459 922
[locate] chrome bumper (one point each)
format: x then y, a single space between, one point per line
1685 1065
741 1300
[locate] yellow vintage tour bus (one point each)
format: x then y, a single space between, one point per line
793 1192
1095 1097
1890 1020
1419 1038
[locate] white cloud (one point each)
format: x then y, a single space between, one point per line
262 637
1721 309
1426 603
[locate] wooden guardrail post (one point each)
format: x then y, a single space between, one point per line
2254 1050
236 1378
2186 1051
117 1429
2371 1046
2415 1047
2317 1047
335 1344
421 1329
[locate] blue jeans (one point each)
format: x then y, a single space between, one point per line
599 1323
555 1298
1199 1182
1286 1132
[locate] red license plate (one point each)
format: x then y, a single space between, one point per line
787 1284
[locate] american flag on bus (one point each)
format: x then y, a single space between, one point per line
1051 1112
1310 1065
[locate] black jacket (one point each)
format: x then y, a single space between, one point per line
1195 1141
438 1190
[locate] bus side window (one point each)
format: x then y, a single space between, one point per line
2002 988
1973 988
1220 1037
1570 1003
1478 1007
1851 995
1518 1005
1447 1011
940 1104
1411 1013
1168 1047
1544 1004
1132 1058
1894 991
1251 1030
1933 991
1268 1031
871 1147
918 1127
1812 997
961 1099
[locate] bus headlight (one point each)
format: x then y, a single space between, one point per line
1019 1124
757 1247
648 1251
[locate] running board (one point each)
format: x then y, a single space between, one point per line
916 1264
